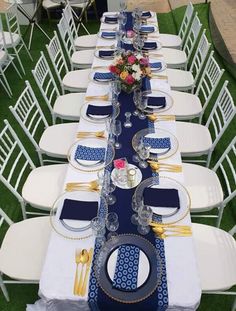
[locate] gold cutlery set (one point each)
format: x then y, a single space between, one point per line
96 97
83 258
99 134
164 167
160 117
164 231
84 186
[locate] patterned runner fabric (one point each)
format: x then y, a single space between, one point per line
127 265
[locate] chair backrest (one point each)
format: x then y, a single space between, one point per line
13 26
225 168
66 37
186 21
192 36
221 115
56 55
209 79
15 162
46 82
199 57
67 13
29 115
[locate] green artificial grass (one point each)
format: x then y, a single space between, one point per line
20 295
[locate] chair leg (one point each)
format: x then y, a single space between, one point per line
95 9
220 215
23 209
19 61
28 52
234 305
16 69
3 288
40 157
48 15
6 85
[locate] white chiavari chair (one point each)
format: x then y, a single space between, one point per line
189 106
180 58
72 81
176 41
212 188
78 59
29 240
66 107
182 80
53 141
196 140
13 38
84 42
216 256
39 187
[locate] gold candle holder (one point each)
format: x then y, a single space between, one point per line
131 177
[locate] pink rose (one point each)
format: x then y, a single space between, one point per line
112 69
144 61
130 34
129 79
132 59
119 163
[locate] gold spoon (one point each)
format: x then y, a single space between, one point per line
163 236
153 224
84 258
106 46
161 230
101 97
96 134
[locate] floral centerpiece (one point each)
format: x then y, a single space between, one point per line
130 68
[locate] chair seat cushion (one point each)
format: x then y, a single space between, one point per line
24 248
77 79
168 40
180 79
193 138
68 106
86 41
44 184
216 257
48 4
8 42
83 57
204 187
173 57
186 105
57 139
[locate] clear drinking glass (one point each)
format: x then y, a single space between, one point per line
137 98
135 207
144 153
144 218
123 5
116 130
112 224
142 106
98 225
127 122
104 179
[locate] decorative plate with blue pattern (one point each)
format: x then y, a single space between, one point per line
150 280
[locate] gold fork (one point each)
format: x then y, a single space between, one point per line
93 134
154 117
159 77
92 183
106 46
154 224
77 262
100 67
164 236
162 230
82 187
95 97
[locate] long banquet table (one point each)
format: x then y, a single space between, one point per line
181 273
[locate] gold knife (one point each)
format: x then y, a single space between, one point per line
87 272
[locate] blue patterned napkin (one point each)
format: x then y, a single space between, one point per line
106 54
103 76
157 143
126 272
79 210
89 153
159 102
161 197
157 65
108 34
147 29
111 19
150 45
99 110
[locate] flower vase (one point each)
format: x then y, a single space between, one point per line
129 88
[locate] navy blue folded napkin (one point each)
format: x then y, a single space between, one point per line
126 272
157 143
108 34
146 14
89 153
157 65
150 45
127 46
147 29
103 76
111 19
146 85
99 110
106 54
79 210
161 197
129 24
159 102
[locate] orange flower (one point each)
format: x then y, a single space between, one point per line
124 75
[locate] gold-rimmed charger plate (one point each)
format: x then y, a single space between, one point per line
159 93
88 165
167 183
157 133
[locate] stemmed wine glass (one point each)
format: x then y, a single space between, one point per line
135 207
142 106
144 218
98 225
137 99
116 87
116 130
123 5
112 224
144 153
104 179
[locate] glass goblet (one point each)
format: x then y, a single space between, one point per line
116 130
144 153
144 219
135 207
127 122
142 106
98 226
137 99
112 224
